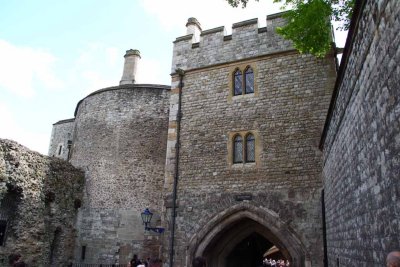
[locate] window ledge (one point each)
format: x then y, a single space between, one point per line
243 165
237 97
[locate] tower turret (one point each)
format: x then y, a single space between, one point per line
132 57
193 27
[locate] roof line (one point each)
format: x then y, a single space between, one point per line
125 86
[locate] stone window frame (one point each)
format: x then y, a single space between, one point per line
235 151
237 73
243 69
245 73
246 152
231 149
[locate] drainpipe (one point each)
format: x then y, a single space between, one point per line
181 74
324 229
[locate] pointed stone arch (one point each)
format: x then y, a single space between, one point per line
227 228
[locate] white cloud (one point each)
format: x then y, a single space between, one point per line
21 66
100 66
149 71
94 80
96 68
9 129
210 13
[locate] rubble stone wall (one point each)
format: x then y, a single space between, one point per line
40 197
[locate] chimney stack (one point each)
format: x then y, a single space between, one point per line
132 57
193 27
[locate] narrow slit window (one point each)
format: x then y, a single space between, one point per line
59 150
3 228
250 148
83 253
238 82
238 149
249 81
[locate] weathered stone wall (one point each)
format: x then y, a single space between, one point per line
60 135
362 144
215 47
286 113
41 215
120 141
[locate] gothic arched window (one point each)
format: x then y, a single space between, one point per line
238 83
237 149
249 80
250 148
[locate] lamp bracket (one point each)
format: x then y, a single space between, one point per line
158 230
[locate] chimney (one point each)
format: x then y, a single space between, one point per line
193 27
132 57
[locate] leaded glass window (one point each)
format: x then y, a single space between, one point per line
238 149
250 148
249 79
238 83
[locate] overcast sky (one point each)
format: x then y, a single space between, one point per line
54 53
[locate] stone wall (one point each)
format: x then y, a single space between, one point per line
120 141
362 141
286 114
60 135
215 47
40 197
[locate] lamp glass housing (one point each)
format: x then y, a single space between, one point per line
146 216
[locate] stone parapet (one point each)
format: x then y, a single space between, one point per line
214 47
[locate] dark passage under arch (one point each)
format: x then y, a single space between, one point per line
242 244
242 235
249 252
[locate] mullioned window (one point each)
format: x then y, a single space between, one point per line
243 81
242 148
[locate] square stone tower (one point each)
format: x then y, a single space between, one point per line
243 168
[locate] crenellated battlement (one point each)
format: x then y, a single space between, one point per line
216 47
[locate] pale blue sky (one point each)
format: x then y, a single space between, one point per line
54 53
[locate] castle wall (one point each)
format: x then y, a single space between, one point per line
120 140
286 114
60 135
362 142
247 40
40 198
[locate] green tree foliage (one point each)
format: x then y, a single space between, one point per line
309 25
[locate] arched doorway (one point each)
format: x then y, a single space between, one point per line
242 235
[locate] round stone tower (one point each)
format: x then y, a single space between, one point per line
120 140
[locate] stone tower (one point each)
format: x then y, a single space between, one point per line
61 139
119 139
246 114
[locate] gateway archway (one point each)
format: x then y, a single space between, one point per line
241 236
